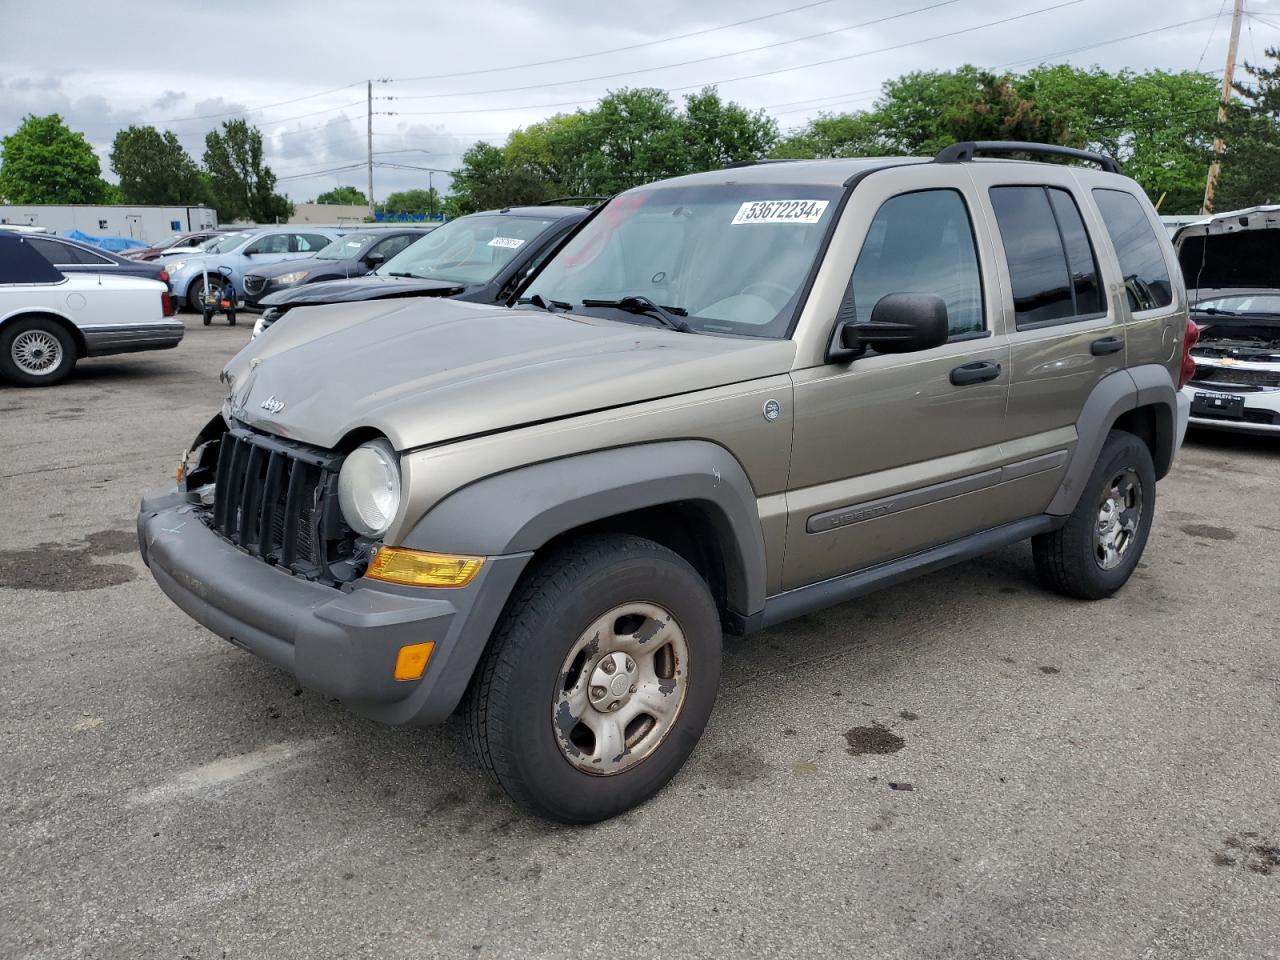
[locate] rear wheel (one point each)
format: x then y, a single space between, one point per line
1096 551
36 352
599 679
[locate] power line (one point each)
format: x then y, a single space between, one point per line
766 73
601 53
1212 30
1102 43
682 63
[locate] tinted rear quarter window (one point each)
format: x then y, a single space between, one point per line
1142 264
1052 266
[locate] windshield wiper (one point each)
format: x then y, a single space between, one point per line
409 276
667 316
542 303
1215 311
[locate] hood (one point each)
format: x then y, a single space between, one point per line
373 287
1235 252
427 371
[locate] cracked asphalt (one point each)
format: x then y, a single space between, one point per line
964 766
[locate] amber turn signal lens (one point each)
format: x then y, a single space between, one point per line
417 568
411 661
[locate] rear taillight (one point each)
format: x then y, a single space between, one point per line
166 303
1188 362
164 275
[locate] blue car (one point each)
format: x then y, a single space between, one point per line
241 252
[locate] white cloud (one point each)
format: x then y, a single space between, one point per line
105 72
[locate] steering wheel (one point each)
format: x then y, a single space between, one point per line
771 286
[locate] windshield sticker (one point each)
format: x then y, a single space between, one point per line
511 242
781 211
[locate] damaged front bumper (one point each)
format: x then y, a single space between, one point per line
341 642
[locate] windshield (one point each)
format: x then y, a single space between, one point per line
1243 303
347 248
232 241
735 257
470 249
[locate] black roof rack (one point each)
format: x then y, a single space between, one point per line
960 152
755 163
555 200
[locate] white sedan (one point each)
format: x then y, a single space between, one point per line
49 320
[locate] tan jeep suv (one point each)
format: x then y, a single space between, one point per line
725 400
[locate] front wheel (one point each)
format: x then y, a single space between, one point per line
195 292
1095 552
599 679
36 353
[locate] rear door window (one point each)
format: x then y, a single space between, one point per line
310 242
1052 267
1146 276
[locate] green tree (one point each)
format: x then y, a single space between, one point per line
46 162
347 195
1158 124
716 133
154 168
1251 164
243 186
485 181
412 201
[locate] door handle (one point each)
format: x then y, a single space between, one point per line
978 372
1106 345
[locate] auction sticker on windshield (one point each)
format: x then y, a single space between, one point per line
780 211
511 242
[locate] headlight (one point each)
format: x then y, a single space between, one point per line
369 488
295 277
175 266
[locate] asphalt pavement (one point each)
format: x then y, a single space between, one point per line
964 766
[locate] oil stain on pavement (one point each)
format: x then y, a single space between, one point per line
58 567
1208 532
1250 852
873 739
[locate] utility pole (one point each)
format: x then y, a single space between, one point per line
1212 180
371 140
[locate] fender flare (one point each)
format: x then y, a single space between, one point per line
520 510
1148 385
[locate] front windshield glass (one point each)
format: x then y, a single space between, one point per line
470 249
735 257
347 248
232 241
1243 303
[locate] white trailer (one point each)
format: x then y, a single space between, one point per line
145 223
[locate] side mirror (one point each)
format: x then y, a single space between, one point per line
900 323
375 260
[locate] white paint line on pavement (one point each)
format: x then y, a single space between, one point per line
219 773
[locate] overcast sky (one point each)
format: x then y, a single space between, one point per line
187 67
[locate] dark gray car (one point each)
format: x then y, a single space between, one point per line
72 257
352 255
481 257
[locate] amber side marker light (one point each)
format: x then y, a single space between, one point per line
417 568
411 661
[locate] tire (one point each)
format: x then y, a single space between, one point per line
544 685
36 352
195 292
208 317
1095 552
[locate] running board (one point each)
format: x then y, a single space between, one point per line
827 593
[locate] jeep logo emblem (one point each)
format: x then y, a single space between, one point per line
272 404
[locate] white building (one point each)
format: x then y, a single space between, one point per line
148 224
